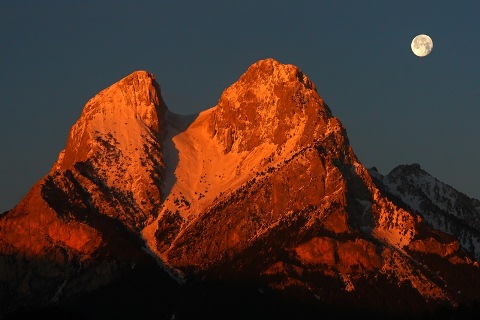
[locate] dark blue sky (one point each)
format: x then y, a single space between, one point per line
397 108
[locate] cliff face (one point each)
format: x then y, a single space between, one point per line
262 187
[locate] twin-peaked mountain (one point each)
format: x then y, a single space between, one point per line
256 205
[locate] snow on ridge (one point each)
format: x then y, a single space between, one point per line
414 187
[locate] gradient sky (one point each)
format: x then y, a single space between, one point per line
397 108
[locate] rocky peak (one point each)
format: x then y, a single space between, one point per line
407 170
126 109
271 102
270 71
114 151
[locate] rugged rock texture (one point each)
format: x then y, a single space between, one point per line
259 198
114 151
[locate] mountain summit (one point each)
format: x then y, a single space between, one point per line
260 199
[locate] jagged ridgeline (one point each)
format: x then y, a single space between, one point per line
255 207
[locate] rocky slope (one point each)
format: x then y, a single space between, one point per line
262 189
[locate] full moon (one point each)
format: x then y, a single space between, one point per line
422 45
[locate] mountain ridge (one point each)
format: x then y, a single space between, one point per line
443 207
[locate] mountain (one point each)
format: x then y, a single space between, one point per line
257 207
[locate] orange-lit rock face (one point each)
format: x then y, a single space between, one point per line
34 226
346 257
358 254
337 222
319 250
39 250
119 111
432 245
259 206
115 148
273 103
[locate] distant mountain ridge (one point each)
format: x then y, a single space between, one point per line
255 206
442 207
